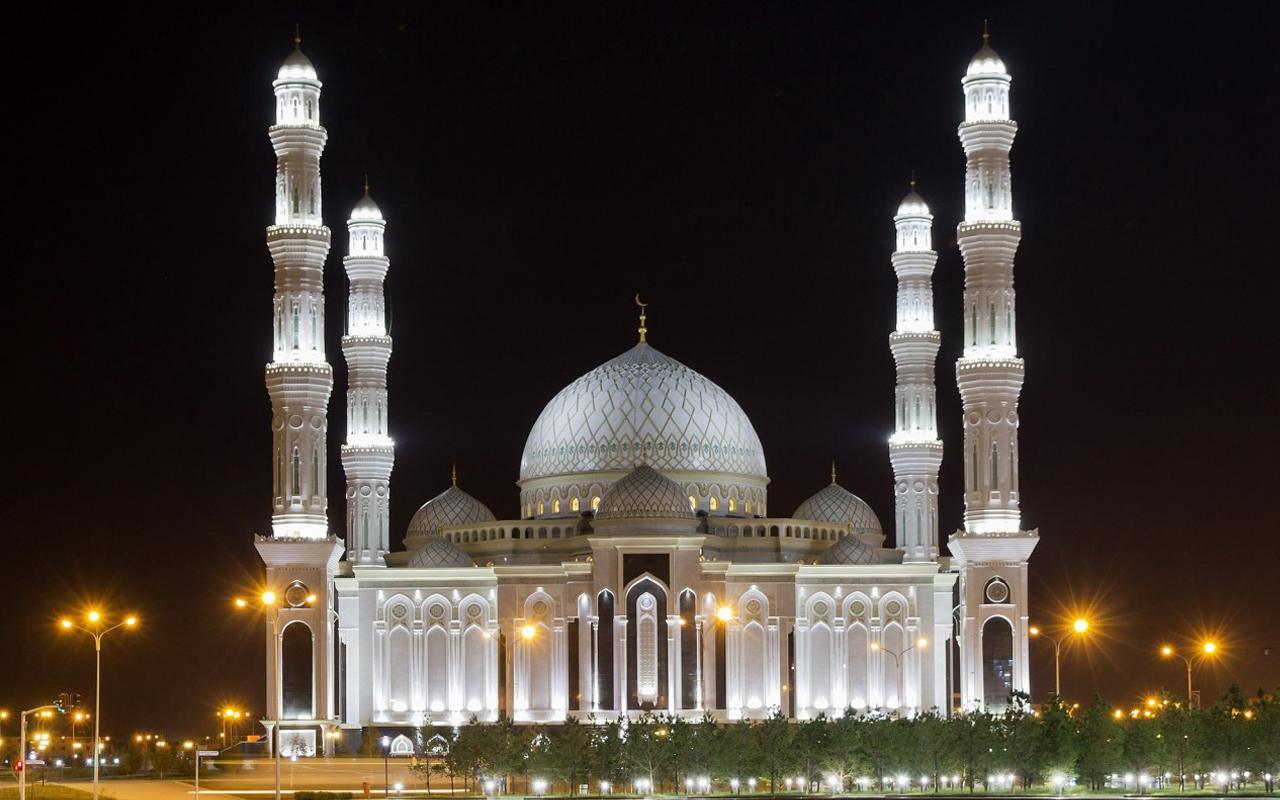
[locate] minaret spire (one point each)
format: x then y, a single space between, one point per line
453 476
833 470
914 449
369 454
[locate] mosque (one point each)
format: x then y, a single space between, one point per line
646 571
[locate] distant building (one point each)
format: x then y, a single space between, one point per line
645 570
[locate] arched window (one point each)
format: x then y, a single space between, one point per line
995 467
293 196
555 506
991 321
574 504
310 110
528 510
541 508
595 503
997 663
976 486
1013 468
693 503
297 325
364 411
917 412
279 470
315 471
747 507
297 472
713 503
379 418
315 339
733 505
296 666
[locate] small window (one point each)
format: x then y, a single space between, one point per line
713 503
693 503
747 507
733 505
541 508
555 506
595 503
575 504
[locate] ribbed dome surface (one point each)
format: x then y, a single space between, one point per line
986 62
912 204
296 66
849 550
642 399
366 208
451 507
438 552
644 492
834 503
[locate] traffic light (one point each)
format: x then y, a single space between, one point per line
60 705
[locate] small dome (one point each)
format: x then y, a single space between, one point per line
451 507
366 209
837 504
912 205
849 550
439 552
297 66
985 61
644 492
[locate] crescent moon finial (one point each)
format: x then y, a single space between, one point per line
643 330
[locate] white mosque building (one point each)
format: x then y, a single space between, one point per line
645 570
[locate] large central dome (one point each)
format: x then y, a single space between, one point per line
643 405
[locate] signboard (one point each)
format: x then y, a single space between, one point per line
35 762
207 753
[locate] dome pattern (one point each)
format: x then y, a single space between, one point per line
642 399
451 507
296 67
437 552
834 503
644 492
849 550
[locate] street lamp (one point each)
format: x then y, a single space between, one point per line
95 629
386 771
1078 627
271 608
1206 649
921 643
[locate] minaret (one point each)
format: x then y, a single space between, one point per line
368 455
991 552
914 449
299 379
990 372
301 557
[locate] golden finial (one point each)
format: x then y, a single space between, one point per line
643 330
455 475
833 470
913 180
366 184
297 35
986 36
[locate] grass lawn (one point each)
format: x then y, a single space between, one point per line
37 792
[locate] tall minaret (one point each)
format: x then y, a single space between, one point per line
299 379
300 556
369 454
914 449
991 551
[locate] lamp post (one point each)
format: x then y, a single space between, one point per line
22 747
921 643
271 608
1206 649
386 769
95 629
1079 626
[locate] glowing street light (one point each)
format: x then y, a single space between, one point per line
724 613
528 631
1078 627
1207 648
94 628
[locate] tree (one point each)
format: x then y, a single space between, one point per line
1100 744
774 739
976 740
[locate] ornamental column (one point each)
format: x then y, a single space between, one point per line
992 549
914 449
369 454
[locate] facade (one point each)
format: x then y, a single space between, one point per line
645 571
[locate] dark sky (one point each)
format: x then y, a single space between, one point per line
737 164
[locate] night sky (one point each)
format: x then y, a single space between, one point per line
737 164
